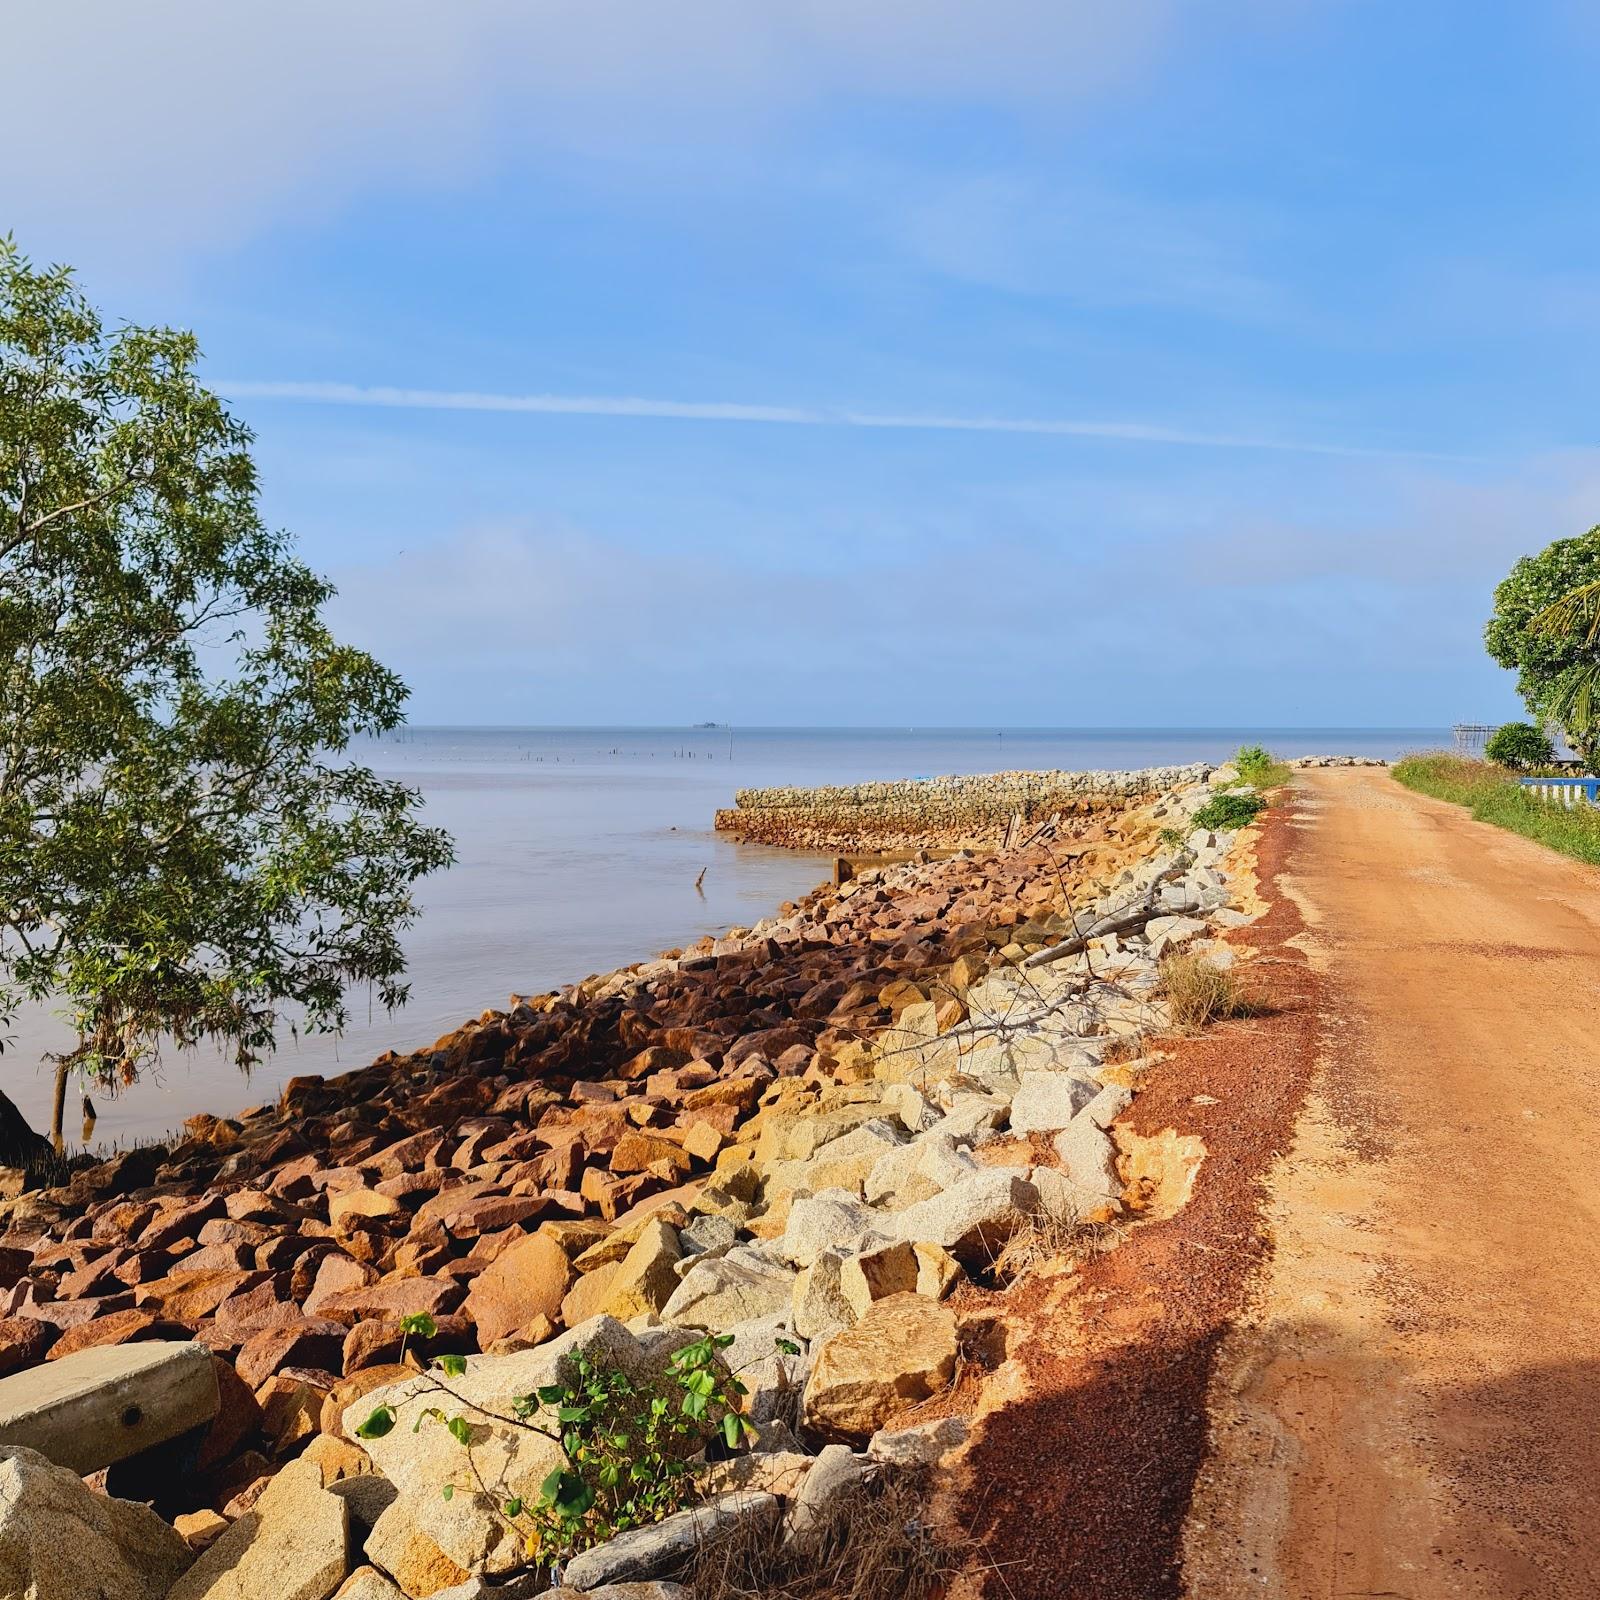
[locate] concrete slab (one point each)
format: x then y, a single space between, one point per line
103 1405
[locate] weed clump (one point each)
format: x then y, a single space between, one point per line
1199 992
1222 813
874 1544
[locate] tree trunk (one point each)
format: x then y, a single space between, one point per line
58 1109
19 1144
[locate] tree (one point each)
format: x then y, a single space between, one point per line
187 852
1520 744
1557 666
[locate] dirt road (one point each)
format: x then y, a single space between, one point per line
1410 1409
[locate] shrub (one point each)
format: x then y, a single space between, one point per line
1224 812
1200 992
629 1447
1519 745
1260 768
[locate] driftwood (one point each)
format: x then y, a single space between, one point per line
1117 922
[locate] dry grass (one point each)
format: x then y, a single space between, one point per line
1199 992
1048 1236
876 1545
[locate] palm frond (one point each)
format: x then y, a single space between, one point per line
1578 609
1575 699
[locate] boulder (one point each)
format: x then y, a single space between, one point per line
367 1583
834 1219
1089 1158
877 1273
638 1285
974 1218
100 1406
837 1471
526 1281
292 1544
918 1171
59 1540
819 1307
728 1290
1046 1101
925 1445
901 1352
647 1552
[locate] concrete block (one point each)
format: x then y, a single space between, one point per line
105 1404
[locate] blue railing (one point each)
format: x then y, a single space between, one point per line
1565 791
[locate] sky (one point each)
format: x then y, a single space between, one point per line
1039 362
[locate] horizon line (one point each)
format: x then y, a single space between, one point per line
632 406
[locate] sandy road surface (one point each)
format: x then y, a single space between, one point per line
1411 1406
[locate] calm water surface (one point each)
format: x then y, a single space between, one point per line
578 852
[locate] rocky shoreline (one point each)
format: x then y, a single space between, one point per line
826 1139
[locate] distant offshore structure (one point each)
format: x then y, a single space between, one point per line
728 725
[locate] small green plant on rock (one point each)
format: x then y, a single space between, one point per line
629 1446
1520 746
1222 813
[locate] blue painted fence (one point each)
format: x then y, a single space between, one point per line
1565 791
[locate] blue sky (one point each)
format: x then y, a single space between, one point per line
1044 362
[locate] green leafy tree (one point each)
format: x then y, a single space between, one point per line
1520 744
1541 629
186 850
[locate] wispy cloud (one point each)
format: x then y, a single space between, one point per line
571 405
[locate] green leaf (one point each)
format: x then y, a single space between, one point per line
551 1394
377 1424
448 1491
513 1506
452 1366
730 1429
419 1323
787 1346
460 1430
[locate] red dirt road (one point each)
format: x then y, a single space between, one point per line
1410 1406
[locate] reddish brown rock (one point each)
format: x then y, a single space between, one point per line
24 1342
336 1273
181 1221
189 1296
647 1152
308 1342
530 1279
348 1390
291 1406
392 1297
486 1213
117 1327
378 1341
237 1419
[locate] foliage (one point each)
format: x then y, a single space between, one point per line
1170 837
628 1446
185 849
1258 767
1222 813
1520 745
1540 629
1199 992
1493 797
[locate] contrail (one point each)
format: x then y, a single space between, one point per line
570 405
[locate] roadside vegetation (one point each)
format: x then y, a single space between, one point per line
1491 794
1199 992
1260 768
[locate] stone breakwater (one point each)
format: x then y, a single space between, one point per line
950 812
847 1128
